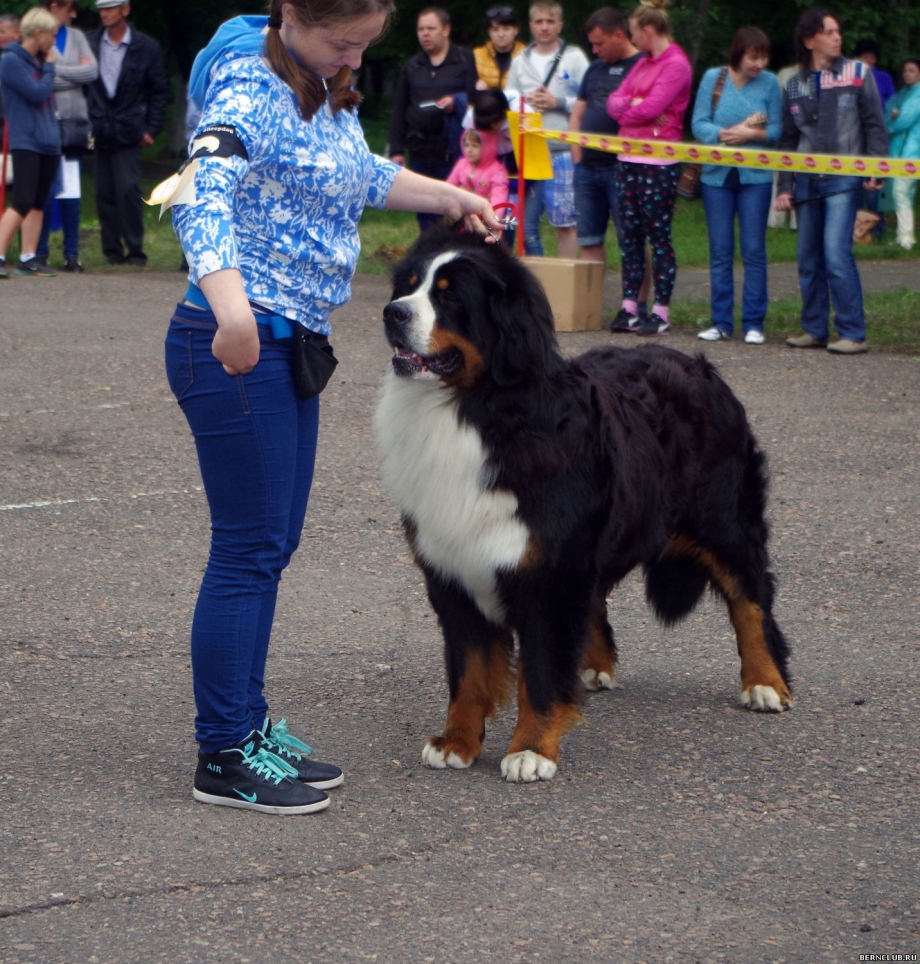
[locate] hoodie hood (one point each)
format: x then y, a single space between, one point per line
239 37
489 143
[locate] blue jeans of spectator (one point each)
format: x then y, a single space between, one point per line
70 223
256 443
439 172
827 268
595 203
534 203
750 203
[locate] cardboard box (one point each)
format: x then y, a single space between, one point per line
575 290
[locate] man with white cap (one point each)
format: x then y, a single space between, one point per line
127 106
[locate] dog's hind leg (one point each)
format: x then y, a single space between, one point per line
598 665
479 656
763 649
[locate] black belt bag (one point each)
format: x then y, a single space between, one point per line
312 362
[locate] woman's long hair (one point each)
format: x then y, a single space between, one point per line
308 88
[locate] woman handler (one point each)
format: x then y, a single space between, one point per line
271 237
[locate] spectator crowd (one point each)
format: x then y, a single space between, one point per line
639 86
64 91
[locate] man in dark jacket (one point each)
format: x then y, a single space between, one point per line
432 95
127 106
830 106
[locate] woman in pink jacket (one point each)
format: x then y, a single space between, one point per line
650 105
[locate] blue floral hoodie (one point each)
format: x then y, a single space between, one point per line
286 215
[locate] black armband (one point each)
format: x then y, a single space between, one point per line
216 141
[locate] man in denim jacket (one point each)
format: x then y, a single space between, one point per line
830 106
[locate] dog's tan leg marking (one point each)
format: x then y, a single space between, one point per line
762 685
534 746
485 685
598 665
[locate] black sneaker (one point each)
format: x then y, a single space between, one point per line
33 268
656 325
295 753
624 321
138 260
250 777
71 264
4 271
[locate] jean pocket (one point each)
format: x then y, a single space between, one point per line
180 372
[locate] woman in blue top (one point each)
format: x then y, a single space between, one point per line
269 226
903 123
746 114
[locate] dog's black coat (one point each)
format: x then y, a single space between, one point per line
617 458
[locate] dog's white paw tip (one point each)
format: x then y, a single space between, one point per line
764 699
595 681
435 758
527 767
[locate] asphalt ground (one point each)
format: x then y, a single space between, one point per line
679 828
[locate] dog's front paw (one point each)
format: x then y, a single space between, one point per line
438 755
594 680
765 699
527 767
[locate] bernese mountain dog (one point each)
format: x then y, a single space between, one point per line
531 484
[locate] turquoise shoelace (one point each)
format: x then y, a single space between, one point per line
282 743
266 764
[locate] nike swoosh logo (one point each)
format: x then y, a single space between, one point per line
245 796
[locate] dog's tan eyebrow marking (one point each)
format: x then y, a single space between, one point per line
435 266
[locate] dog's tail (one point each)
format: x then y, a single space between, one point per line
673 587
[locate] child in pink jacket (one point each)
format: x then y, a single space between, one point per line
479 170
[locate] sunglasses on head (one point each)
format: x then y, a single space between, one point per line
499 13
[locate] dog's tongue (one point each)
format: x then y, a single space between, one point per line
410 356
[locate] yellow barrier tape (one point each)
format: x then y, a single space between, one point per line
742 157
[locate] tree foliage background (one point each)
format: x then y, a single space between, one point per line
703 28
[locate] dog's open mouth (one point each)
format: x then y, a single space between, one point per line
407 363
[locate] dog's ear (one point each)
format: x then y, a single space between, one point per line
525 339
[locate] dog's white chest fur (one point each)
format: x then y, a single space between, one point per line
435 468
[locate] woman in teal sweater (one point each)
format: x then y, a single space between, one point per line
739 106
903 123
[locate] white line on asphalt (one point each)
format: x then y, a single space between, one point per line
137 495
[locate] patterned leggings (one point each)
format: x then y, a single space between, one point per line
645 197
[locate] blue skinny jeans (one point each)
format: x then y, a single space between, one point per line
750 203
256 443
